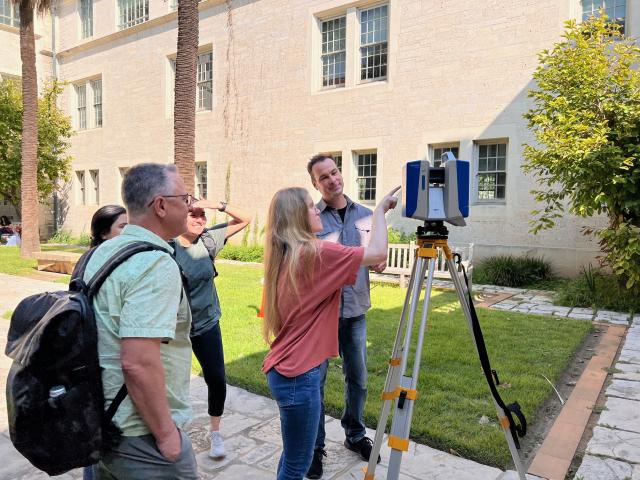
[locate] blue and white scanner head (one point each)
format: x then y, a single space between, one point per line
436 193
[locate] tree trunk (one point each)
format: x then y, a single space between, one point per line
184 111
29 174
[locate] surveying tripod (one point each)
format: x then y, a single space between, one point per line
400 388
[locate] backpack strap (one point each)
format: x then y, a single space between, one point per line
77 283
93 286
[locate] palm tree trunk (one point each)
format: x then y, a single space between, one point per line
29 175
184 112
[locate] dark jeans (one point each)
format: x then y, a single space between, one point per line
352 339
208 350
299 404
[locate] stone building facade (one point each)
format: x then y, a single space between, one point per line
375 83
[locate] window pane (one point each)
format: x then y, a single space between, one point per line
373 43
86 18
132 12
96 86
333 51
492 160
205 81
81 109
366 166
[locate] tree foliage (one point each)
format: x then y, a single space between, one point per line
54 132
586 121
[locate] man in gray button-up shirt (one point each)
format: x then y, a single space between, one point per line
348 223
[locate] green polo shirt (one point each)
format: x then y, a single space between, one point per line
142 299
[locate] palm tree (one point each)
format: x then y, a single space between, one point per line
29 175
184 112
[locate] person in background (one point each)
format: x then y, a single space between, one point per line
106 223
195 252
303 280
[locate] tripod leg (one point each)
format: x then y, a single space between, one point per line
461 290
403 413
395 364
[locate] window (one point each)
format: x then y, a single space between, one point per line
132 12
204 89
366 166
334 38
81 198
492 175
95 186
337 157
205 81
81 106
9 14
88 114
615 10
201 180
86 18
436 156
96 88
373 43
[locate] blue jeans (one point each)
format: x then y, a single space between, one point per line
299 404
352 339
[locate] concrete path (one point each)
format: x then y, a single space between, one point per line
252 430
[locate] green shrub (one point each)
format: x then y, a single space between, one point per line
242 253
593 288
511 271
398 236
62 236
65 237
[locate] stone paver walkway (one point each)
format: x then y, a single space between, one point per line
251 425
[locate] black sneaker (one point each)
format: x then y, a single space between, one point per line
315 470
362 447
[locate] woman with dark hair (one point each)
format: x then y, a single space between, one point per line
303 280
107 222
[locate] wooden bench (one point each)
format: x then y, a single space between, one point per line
57 261
401 258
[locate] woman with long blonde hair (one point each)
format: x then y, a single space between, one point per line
303 279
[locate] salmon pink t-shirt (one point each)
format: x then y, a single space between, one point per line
309 333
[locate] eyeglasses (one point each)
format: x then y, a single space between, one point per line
187 198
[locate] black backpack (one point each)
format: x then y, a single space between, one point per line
55 400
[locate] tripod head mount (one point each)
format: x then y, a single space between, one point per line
432 230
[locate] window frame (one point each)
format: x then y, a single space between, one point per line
94 177
122 23
361 46
202 83
13 18
445 147
477 146
357 177
93 111
200 180
81 187
85 12
595 12
322 21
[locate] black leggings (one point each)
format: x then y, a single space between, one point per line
208 349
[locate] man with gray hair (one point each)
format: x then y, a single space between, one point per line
143 323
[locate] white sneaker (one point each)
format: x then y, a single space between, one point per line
217 450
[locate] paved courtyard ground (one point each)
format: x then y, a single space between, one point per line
251 425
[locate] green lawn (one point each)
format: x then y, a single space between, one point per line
453 395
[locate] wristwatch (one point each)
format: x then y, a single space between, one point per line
222 207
